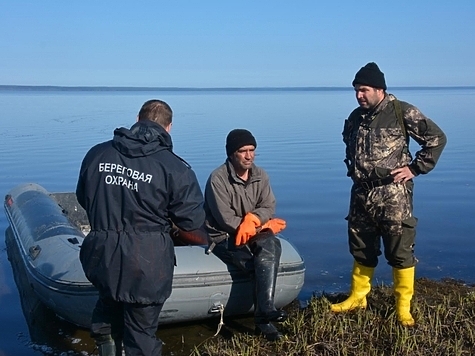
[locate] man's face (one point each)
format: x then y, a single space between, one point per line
243 158
368 97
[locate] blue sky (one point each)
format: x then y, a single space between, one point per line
235 43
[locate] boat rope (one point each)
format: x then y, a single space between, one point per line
221 322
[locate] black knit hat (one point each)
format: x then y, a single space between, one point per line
370 75
238 138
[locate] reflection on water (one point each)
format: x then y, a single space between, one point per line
47 332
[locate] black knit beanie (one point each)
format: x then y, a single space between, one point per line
370 75
238 138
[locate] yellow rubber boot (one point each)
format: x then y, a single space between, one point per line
360 287
403 291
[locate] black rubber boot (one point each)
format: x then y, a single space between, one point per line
266 266
265 280
268 331
106 346
118 345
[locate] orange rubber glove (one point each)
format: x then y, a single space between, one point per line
247 229
276 225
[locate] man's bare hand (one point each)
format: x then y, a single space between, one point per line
402 175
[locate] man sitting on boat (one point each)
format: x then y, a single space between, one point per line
239 205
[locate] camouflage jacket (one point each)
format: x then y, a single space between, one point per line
376 141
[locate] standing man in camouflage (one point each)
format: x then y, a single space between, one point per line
376 136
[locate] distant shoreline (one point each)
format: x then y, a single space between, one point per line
44 88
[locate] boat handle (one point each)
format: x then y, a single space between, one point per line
34 251
216 308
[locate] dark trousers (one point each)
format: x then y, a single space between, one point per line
263 247
260 257
135 324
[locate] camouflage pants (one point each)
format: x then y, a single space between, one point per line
382 214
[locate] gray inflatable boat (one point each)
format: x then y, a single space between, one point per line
48 229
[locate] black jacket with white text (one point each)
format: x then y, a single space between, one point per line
132 187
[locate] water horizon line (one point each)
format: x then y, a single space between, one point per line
4 87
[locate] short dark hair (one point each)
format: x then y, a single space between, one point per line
157 111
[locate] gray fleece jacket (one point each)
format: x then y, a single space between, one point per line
228 199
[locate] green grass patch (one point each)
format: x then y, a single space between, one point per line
445 325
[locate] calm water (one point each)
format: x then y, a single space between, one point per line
46 134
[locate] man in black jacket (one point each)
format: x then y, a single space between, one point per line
133 188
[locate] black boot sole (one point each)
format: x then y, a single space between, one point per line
268 331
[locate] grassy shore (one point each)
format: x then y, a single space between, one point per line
445 325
